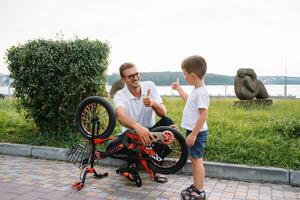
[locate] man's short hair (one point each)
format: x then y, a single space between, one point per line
195 64
125 66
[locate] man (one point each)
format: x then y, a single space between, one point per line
136 105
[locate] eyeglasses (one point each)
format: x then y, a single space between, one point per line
132 76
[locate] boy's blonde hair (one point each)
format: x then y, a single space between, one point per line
195 64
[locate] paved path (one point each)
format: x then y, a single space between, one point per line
31 179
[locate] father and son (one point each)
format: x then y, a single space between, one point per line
138 102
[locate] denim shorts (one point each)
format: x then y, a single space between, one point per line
197 150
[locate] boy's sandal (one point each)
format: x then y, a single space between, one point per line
160 179
193 193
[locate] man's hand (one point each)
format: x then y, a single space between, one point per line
148 101
144 134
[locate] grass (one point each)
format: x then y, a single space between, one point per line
253 135
14 128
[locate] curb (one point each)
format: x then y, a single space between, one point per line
295 177
212 169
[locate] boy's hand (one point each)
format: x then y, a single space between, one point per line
190 140
175 85
173 126
148 101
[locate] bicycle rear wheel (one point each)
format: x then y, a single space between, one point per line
176 156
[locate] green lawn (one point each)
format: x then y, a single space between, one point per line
255 135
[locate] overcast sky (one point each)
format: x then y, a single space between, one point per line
158 34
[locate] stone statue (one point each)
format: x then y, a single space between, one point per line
116 86
247 87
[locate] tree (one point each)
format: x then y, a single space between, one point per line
52 76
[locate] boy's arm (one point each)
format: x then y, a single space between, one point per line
190 140
176 86
200 122
182 93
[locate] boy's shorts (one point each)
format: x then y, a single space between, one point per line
197 150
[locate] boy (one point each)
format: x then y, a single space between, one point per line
194 121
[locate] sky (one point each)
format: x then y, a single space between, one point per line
157 35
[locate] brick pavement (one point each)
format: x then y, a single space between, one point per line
37 179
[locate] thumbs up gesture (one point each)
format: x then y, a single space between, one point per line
148 101
175 85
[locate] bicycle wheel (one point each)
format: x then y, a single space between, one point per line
97 109
176 156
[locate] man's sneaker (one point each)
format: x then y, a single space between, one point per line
192 193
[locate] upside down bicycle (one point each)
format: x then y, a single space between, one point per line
95 119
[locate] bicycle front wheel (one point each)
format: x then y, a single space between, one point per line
98 111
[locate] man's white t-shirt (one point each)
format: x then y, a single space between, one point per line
134 107
198 98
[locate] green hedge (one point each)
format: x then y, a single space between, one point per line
52 76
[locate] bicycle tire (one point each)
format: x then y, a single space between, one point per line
178 163
106 122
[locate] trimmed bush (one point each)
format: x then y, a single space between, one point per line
51 77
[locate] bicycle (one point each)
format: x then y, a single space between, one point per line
95 119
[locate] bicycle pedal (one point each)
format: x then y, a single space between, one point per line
77 185
125 174
80 186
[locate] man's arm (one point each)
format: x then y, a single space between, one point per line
128 122
159 109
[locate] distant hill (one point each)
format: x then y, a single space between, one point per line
166 78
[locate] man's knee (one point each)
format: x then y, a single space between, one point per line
166 121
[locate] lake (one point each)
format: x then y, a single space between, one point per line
228 90
214 90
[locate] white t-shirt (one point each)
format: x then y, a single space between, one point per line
198 98
134 107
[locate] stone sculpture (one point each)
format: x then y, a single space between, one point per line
247 87
116 86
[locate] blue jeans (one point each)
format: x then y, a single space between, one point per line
197 150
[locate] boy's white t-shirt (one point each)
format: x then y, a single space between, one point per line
134 107
198 98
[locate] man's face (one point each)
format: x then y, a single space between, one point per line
132 77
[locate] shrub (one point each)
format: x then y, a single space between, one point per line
52 76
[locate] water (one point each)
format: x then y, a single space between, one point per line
228 90
6 91
223 90
214 90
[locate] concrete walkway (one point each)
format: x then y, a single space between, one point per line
28 178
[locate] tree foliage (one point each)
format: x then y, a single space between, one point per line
52 76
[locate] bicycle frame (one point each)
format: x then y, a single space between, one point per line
154 158
143 153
